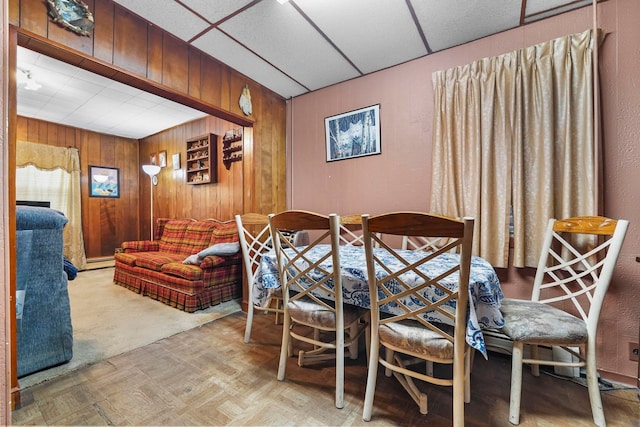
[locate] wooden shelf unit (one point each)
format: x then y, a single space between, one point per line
202 159
231 150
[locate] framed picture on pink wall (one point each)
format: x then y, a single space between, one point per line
353 134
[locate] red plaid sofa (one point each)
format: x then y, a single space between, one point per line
156 269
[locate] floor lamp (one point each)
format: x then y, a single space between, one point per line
152 171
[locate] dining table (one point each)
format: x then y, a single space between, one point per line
485 293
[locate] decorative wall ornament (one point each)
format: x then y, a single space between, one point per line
74 15
245 101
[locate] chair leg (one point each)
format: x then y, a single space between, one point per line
367 338
247 329
388 356
516 383
429 368
372 375
285 347
594 388
340 368
353 348
278 302
468 362
535 354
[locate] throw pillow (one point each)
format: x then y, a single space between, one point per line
192 259
220 249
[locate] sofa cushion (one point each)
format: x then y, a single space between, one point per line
155 260
140 246
186 271
199 234
173 238
225 232
126 258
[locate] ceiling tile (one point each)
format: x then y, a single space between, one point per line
216 10
218 45
285 39
374 34
169 15
448 23
552 7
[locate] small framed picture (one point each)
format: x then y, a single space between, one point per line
353 134
153 159
105 182
162 159
176 161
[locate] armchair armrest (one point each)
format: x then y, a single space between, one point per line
140 246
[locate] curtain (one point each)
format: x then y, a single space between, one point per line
514 134
52 174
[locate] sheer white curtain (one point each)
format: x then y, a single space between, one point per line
516 132
47 173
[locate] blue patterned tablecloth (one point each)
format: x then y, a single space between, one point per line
484 287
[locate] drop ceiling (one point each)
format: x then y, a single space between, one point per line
291 48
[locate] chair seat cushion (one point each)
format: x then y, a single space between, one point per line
311 313
538 323
415 338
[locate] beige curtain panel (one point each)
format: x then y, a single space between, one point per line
514 134
49 173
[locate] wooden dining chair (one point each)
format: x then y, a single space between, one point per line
312 294
410 335
253 234
421 243
351 230
574 271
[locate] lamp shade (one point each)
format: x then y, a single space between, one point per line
151 170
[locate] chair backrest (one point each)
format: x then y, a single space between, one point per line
253 234
577 261
351 230
414 282
313 271
420 243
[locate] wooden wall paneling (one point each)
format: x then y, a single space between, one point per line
130 42
14 13
103 31
225 100
91 148
278 152
211 81
127 218
248 172
34 16
106 207
155 54
175 63
195 72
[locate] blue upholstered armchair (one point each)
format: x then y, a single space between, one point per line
45 335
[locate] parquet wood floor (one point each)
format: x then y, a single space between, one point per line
208 376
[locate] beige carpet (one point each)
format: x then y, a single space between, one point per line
109 320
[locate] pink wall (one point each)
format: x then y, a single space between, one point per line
400 177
